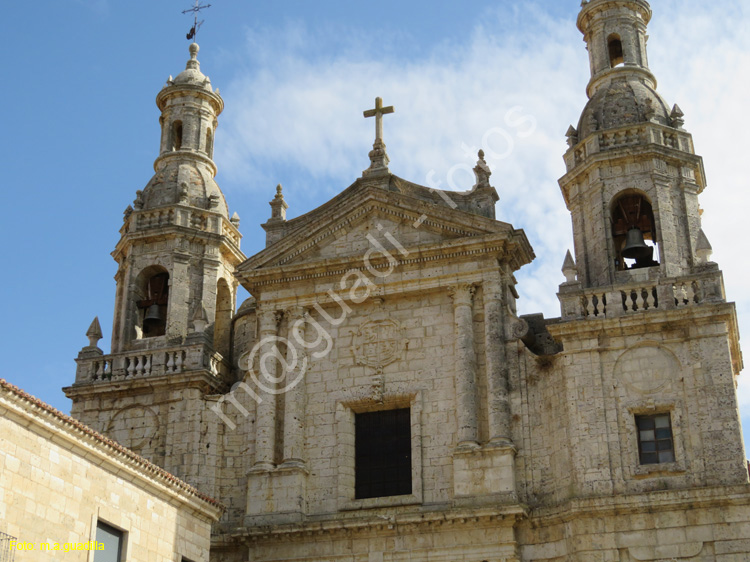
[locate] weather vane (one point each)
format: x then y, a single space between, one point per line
195 10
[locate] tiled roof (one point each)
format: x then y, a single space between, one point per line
130 456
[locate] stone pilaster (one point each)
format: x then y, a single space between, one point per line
294 404
265 423
466 375
179 295
498 405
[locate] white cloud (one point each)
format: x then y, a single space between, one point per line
296 107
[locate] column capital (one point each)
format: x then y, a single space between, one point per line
462 293
492 288
296 312
268 320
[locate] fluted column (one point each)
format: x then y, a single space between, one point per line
498 405
265 424
294 381
466 370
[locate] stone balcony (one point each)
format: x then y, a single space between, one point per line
640 296
646 133
199 358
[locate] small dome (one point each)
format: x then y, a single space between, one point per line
186 184
622 102
192 74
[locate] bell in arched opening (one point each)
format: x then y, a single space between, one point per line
633 227
154 306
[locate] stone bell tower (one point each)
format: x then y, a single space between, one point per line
176 288
651 346
633 178
178 247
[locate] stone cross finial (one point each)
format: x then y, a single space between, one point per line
378 113
378 156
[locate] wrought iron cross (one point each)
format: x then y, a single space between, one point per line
378 113
195 10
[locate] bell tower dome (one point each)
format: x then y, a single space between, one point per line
633 177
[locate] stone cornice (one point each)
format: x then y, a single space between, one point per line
190 90
648 321
512 248
359 201
100 450
667 500
173 231
590 9
202 380
336 524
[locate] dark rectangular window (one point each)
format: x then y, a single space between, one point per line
655 443
382 457
112 539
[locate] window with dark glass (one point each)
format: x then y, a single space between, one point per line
112 539
382 454
655 443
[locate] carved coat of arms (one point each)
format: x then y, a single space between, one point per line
378 343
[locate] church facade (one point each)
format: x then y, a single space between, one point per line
379 399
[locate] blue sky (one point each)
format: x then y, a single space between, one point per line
81 130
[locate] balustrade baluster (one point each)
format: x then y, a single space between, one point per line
689 294
590 306
639 302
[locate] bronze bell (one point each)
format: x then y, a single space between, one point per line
635 247
153 313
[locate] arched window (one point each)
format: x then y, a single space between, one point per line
153 298
634 232
209 143
616 57
223 322
177 135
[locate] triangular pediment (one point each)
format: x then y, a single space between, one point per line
348 226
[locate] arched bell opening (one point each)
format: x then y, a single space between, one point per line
176 136
152 299
223 321
209 143
634 232
616 55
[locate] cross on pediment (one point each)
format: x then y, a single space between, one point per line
378 113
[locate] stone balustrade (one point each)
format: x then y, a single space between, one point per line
641 134
181 216
621 300
151 363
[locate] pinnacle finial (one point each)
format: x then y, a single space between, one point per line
703 249
569 268
193 63
278 206
94 333
200 319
